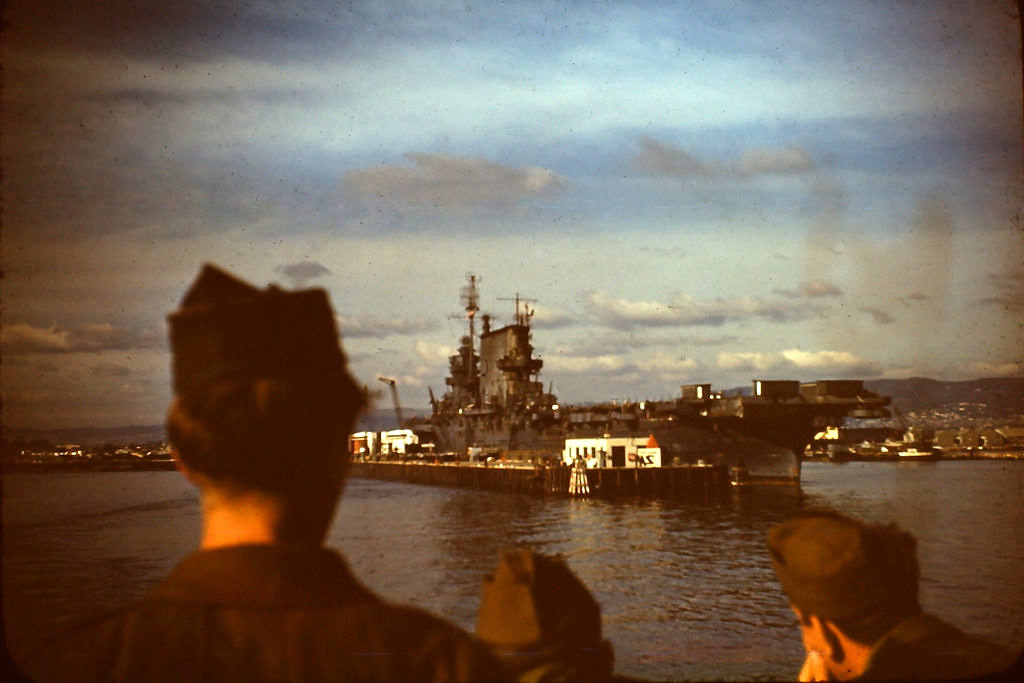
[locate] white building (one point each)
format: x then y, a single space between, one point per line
364 444
618 451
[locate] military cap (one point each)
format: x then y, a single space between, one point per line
228 329
535 602
840 568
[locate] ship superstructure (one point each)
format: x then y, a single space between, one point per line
495 399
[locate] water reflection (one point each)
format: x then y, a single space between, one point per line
686 588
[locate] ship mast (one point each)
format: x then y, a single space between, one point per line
470 299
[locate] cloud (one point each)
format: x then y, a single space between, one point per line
821 359
550 318
625 342
982 369
660 159
659 365
657 158
624 314
765 161
670 252
363 327
302 272
664 364
1008 291
448 182
433 354
881 317
410 381
812 289
792 360
906 299
585 364
26 338
748 360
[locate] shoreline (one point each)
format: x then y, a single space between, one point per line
992 455
85 465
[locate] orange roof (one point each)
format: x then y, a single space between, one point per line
652 442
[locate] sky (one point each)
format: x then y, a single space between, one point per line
686 192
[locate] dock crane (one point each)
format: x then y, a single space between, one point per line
390 381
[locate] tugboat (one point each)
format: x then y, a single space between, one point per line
495 405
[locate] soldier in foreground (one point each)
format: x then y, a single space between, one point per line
854 588
262 408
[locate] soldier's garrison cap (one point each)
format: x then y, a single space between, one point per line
840 568
535 602
226 329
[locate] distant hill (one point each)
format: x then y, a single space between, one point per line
381 419
1002 396
89 436
374 420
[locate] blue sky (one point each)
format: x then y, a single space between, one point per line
692 192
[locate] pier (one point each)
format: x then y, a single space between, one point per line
677 481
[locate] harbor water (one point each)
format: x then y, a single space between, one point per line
686 588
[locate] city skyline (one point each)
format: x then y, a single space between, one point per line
715 193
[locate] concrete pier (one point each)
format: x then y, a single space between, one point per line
679 481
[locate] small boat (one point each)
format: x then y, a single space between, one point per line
915 453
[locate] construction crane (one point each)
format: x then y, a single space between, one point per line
390 381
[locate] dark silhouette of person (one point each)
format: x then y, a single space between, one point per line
263 403
543 621
854 589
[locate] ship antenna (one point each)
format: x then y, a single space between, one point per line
470 299
522 317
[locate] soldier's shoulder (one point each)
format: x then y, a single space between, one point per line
436 642
75 652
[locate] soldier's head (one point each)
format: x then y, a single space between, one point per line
263 400
848 582
542 621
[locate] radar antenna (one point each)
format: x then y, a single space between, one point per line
470 299
522 315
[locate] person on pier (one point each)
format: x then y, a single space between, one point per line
854 589
262 408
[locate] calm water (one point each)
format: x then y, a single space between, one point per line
686 589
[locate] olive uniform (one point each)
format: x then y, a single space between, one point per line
925 648
264 613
